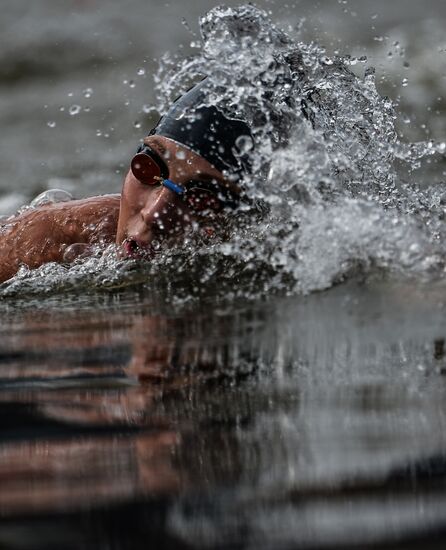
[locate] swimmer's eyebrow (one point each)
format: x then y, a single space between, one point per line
160 149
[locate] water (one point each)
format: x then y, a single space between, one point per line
280 388
316 421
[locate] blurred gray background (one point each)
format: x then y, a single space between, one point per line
76 76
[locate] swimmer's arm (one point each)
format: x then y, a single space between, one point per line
43 234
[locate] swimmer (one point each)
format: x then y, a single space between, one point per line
185 175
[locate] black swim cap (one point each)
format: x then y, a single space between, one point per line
206 130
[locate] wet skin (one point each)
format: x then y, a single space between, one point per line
139 220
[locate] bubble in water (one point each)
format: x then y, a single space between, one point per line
88 92
132 83
51 124
137 124
405 82
141 71
74 110
51 196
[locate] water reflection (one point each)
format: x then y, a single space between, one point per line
310 421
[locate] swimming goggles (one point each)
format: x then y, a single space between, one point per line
150 169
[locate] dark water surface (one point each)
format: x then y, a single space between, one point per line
303 422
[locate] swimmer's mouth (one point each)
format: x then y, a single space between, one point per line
137 250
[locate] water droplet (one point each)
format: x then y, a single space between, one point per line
99 133
51 124
244 144
406 64
149 109
326 60
141 71
180 155
137 124
74 110
88 92
404 82
131 83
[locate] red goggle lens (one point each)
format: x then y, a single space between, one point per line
145 169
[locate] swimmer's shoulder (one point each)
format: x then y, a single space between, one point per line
42 234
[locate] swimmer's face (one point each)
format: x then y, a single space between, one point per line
152 215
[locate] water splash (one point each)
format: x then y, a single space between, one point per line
326 155
332 186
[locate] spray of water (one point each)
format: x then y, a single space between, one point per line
326 156
331 186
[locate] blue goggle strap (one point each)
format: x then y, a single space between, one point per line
173 186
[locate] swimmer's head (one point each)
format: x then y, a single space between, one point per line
186 175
